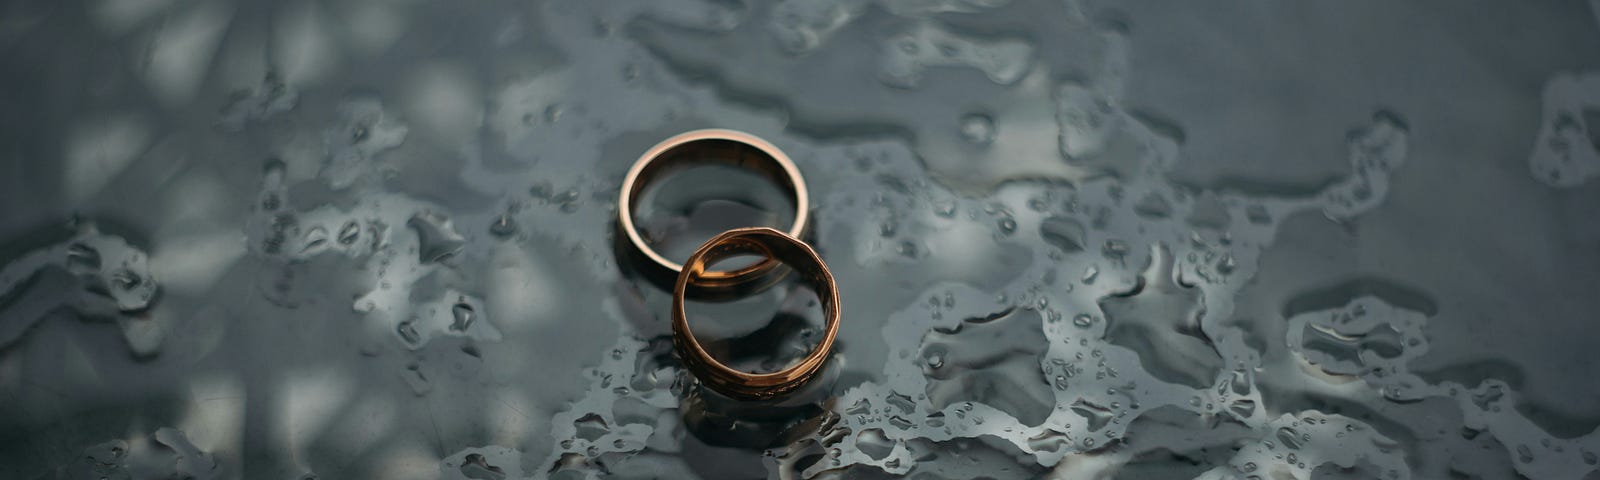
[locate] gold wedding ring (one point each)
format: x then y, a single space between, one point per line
777 247
711 147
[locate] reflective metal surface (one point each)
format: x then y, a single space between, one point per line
770 244
1073 239
708 147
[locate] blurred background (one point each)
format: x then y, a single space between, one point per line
331 239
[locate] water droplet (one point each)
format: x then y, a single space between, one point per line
874 444
977 128
861 407
1063 233
1083 320
1288 437
126 280
349 233
570 201
408 332
591 427
477 467
1114 249
106 456
1243 408
1007 225
436 240
1097 416
909 46
907 249
82 259
1153 205
315 239
502 226
1239 382
463 316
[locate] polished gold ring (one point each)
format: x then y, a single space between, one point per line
708 147
776 247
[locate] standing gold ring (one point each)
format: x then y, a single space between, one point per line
777 247
709 147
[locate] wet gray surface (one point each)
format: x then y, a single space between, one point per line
1074 239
